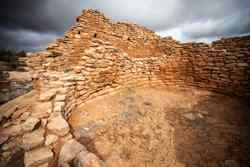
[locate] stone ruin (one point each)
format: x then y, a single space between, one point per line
98 57
15 80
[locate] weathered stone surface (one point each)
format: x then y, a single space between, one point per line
59 106
10 111
70 150
19 112
68 137
44 106
44 122
86 159
3 138
24 116
84 132
44 165
38 157
1 117
50 139
9 146
189 116
33 139
30 124
65 165
12 131
231 163
60 97
42 110
58 125
47 95
178 164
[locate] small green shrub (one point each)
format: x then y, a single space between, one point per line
68 70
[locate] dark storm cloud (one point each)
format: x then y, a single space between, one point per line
33 24
19 39
184 19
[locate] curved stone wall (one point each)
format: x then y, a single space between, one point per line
222 66
96 58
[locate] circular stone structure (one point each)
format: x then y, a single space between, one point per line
116 94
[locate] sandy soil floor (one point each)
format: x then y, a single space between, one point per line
163 127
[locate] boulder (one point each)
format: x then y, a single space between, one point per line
15 130
69 151
29 124
58 125
33 139
86 159
37 157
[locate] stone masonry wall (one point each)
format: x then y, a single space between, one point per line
96 58
134 40
222 66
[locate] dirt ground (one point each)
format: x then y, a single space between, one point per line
164 127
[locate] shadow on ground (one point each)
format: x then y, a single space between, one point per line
213 133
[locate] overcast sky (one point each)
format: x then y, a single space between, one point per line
32 24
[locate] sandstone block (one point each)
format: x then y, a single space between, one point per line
189 116
63 90
78 69
243 65
29 124
70 150
38 157
88 159
60 97
11 131
58 125
3 138
59 106
44 165
42 110
33 139
47 95
68 78
69 84
50 139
